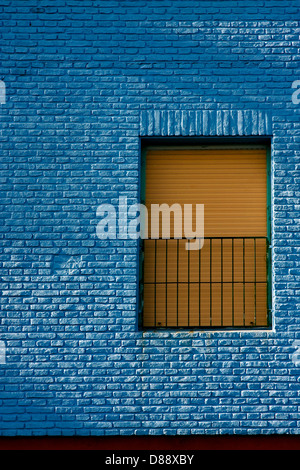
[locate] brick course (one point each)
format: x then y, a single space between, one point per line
85 79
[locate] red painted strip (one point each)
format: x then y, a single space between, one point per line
175 443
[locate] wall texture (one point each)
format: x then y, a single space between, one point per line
84 80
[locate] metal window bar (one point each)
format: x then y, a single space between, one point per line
255 280
222 278
155 282
248 286
233 281
200 258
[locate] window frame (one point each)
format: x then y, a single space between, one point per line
165 143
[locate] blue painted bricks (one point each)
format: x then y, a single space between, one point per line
84 81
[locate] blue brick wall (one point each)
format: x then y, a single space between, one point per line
84 80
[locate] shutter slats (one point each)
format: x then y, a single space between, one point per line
232 185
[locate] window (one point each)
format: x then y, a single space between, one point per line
227 282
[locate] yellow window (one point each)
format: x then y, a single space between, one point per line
225 283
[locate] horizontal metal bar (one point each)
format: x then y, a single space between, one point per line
209 238
203 328
206 282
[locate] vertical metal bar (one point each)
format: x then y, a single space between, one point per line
177 282
222 267
255 302
166 282
141 318
267 279
210 272
188 287
200 257
233 282
244 286
155 280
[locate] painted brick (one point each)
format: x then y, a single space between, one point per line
84 81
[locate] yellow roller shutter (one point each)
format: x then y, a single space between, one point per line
225 283
232 185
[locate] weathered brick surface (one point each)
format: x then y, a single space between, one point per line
84 79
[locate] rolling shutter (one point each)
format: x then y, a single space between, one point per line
225 284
